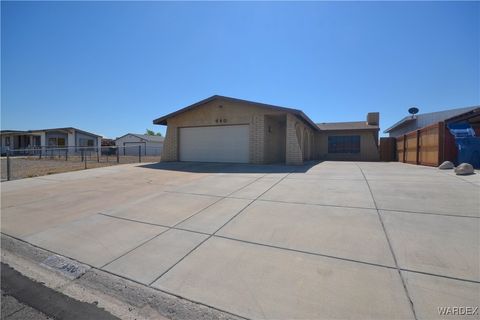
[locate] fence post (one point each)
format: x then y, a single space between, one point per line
118 155
139 153
8 165
418 148
66 154
404 148
441 142
98 153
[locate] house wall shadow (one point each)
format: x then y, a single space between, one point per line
213 167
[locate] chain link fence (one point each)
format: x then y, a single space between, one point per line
34 162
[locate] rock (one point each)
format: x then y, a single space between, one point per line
446 165
464 168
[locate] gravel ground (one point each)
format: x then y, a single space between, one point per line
27 167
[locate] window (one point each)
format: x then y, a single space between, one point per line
61 142
7 141
56 142
52 142
86 142
344 144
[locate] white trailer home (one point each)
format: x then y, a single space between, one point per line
69 138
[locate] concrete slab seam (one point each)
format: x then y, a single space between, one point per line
222 198
306 252
136 247
294 250
239 212
43 199
238 240
332 205
194 214
390 246
153 224
12 313
125 278
460 178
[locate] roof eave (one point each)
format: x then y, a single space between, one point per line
399 123
164 120
352 129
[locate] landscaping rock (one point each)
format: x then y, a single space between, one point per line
446 165
464 168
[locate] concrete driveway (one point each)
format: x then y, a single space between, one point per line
331 240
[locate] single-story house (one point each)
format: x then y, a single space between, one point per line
224 129
413 122
71 138
149 145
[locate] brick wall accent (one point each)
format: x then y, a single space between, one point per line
294 154
170 144
257 141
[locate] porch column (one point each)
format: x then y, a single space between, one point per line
99 146
43 142
71 143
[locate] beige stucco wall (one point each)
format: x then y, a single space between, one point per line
368 146
275 139
223 112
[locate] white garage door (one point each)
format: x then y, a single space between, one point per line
215 144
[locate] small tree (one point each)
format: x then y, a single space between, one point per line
152 133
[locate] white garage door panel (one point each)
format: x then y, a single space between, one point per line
215 144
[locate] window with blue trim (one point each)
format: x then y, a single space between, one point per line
344 144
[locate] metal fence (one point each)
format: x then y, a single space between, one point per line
39 161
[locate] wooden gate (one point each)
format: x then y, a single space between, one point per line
423 146
387 149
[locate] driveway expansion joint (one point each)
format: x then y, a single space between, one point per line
173 297
213 234
390 245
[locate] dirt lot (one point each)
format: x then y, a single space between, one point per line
27 167
333 240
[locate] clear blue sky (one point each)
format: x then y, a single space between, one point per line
112 67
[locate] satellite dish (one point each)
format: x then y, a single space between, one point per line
413 110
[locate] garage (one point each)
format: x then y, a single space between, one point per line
215 144
131 143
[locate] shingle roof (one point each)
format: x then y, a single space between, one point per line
299 113
353 125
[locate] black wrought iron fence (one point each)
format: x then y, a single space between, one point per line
31 162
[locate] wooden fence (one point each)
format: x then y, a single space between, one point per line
423 146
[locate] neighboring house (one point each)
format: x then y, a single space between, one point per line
413 122
48 138
149 145
223 129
